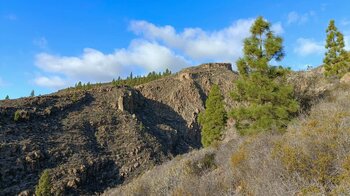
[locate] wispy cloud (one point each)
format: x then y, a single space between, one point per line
277 28
53 82
307 47
298 18
40 42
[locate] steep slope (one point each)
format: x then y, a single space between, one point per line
94 139
311 158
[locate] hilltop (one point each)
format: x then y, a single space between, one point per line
104 136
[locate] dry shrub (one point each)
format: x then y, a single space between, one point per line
202 165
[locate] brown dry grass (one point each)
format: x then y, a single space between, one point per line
311 158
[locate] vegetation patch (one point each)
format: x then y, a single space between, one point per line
44 186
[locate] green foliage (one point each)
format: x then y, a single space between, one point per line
213 119
7 97
138 80
131 80
32 93
17 115
44 185
21 115
87 86
336 61
266 101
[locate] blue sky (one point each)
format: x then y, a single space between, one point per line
48 45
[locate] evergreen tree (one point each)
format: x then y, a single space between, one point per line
79 85
32 93
266 101
335 60
7 97
44 186
213 119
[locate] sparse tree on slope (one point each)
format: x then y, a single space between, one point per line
213 119
32 93
266 101
7 97
336 59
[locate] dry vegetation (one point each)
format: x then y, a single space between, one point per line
311 158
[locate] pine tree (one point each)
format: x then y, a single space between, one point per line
335 60
44 186
7 97
32 93
213 119
266 101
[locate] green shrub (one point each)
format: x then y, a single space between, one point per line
44 186
21 115
17 116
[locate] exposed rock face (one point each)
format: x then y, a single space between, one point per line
186 93
309 85
86 143
91 140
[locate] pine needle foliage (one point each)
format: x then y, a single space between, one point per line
266 101
336 62
213 119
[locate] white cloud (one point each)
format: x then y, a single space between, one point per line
155 49
197 44
40 42
54 82
307 47
294 17
277 28
95 66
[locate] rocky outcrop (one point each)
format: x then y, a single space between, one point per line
186 92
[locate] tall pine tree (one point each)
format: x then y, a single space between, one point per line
213 119
266 101
336 59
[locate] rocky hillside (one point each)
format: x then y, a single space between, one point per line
311 158
94 139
